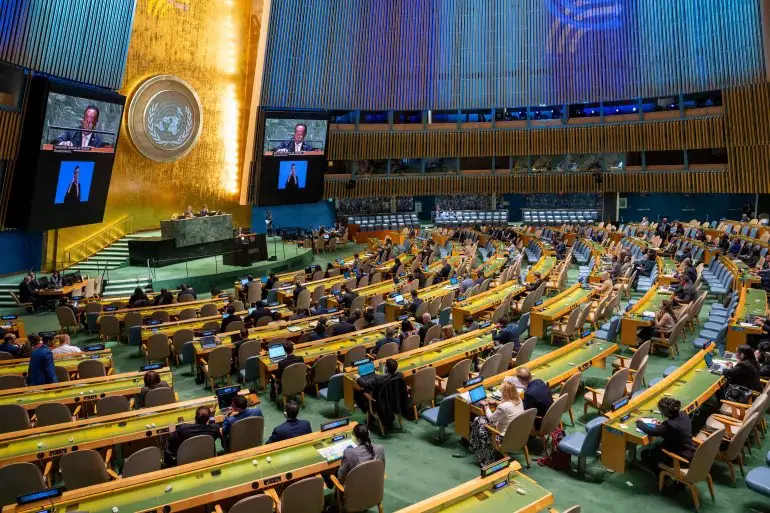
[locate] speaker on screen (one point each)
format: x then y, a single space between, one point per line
67 151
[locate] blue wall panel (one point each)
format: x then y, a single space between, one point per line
684 207
20 251
450 54
310 215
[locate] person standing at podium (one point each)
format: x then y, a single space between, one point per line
268 222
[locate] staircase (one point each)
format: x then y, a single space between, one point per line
5 298
111 257
120 288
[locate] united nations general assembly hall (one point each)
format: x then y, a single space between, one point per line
391 256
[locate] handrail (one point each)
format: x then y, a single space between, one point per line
82 250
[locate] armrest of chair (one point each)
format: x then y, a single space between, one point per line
593 393
270 492
337 484
202 361
112 473
696 441
622 359
131 403
218 508
678 460
47 469
108 455
737 410
76 412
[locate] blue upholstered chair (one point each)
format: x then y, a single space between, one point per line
442 415
334 391
584 445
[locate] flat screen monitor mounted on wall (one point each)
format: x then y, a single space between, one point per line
67 151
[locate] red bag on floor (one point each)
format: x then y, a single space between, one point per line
555 458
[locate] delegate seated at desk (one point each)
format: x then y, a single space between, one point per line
201 426
230 317
536 394
290 359
293 426
675 431
239 410
373 382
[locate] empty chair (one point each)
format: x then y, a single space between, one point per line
733 452
364 487
142 461
218 365
442 415
197 448
246 433
66 318
157 348
322 371
214 325
256 504
602 398
247 350
570 389
517 434
178 340
187 313
698 470
238 305
410 343
354 354
160 315
623 362
423 391
13 417
304 496
582 445
159 396
457 376
490 366
112 405
209 310
525 351
9 382
334 391
48 414
109 327
293 382
19 479
83 468
506 353
91 369
637 378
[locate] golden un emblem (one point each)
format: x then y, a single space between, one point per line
165 118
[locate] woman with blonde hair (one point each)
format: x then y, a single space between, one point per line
509 406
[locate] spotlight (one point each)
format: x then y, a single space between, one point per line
593 112
617 111
634 109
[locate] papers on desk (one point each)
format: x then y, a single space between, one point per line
293 328
648 313
746 324
334 451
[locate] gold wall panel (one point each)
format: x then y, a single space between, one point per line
212 46
748 137
707 132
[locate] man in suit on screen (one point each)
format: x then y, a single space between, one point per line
297 143
85 137
73 190
292 182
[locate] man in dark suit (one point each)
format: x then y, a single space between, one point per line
371 385
259 311
298 288
269 285
664 229
73 190
347 296
645 268
446 269
536 393
26 292
426 325
185 431
41 369
297 143
293 426
290 359
231 316
292 182
415 304
184 289
342 327
535 284
83 138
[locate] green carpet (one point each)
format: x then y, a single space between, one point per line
419 467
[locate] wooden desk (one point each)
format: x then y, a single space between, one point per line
385 287
394 310
752 302
483 302
286 293
64 291
440 355
481 496
557 307
553 368
339 345
11 323
203 482
691 384
633 319
81 391
19 366
172 309
98 432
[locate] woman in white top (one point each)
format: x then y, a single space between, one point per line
510 405
64 346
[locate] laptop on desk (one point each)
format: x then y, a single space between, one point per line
208 342
366 374
225 397
276 353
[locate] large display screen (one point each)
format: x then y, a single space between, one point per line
293 161
295 136
68 149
